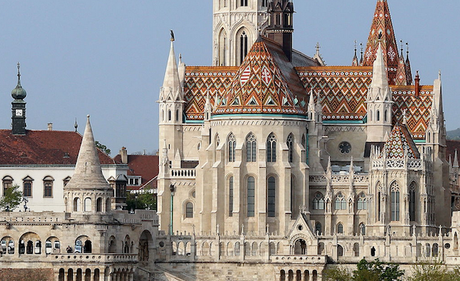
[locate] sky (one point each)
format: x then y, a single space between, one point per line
107 58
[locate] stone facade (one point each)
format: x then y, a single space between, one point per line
280 166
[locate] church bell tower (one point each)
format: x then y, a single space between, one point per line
18 108
236 26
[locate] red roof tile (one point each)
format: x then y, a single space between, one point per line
42 148
145 166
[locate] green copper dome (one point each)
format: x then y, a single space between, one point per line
19 92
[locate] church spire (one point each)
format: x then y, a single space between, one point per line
172 89
355 58
382 32
408 67
401 78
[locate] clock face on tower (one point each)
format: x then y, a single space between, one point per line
19 112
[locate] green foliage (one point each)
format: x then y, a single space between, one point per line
337 274
102 147
434 272
377 270
145 200
11 199
366 271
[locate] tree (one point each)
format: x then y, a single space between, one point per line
337 274
102 147
436 271
144 200
11 199
377 270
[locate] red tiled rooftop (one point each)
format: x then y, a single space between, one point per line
42 148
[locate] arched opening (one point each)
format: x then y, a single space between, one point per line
300 247
79 275
412 201
271 148
88 247
271 197
61 274
251 148
231 147
339 251
373 251
378 115
318 228
189 210
107 205
237 249
70 274
76 204
99 205
321 248
96 274
251 193
88 274
230 197
290 145
112 245
144 241
222 49
87 204
30 247
395 201
340 228
243 46
282 275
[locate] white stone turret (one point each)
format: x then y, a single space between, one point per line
379 102
88 192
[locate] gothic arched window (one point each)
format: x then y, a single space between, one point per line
230 197
189 210
290 145
412 202
271 148
318 228
340 202
271 197
340 228
223 48
231 148
251 196
243 45
395 201
318 201
251 148
362 202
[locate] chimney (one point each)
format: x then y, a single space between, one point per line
417 84
50 126
124 155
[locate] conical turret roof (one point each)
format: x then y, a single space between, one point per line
88 172
172 88
382 32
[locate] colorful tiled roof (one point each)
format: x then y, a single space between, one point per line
417 108
43 148
400 142
266 82
343 90
198 81
382 32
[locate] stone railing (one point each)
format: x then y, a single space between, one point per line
397 163
95 258
357 179
183 173
299 259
